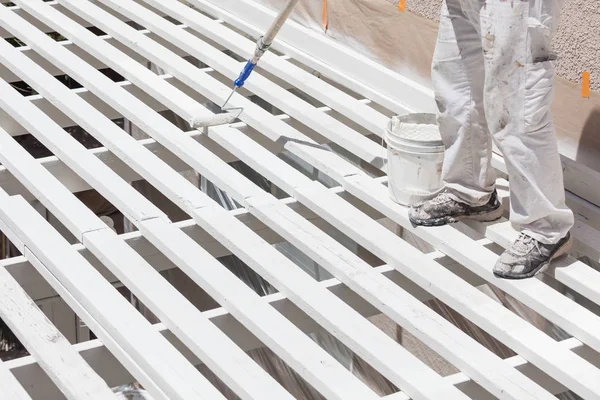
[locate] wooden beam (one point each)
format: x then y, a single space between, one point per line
292 105
183 154
345 104
41 26
355 71
61 362
361 335
166 367
11 388
301 353
205 340
336 61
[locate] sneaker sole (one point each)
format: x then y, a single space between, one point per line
562 250
484 217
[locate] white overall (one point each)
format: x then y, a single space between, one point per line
493 78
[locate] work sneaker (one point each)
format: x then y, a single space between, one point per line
528 257
443 209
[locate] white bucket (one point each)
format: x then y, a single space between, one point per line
415 158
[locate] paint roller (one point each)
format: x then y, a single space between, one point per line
262 45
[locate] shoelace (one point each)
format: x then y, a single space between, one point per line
526 242
441 198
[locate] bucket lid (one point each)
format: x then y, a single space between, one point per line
417 129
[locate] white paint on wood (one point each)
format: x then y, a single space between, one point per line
160 360
11 388
67 369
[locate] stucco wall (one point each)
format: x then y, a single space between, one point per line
577 39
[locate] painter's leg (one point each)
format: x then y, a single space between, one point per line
518 92
458 79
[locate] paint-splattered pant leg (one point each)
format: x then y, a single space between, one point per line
458 77
517 91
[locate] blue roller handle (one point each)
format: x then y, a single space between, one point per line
245 74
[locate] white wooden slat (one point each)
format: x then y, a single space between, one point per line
69 151
15 129
321 374
96 355
535 294
116 351
209 87
330 59
433 330
289 103
173 373
374 347
567 270
39 289
10 77
324 374
19 11
358 338
308 83
62 363
313 354
66 207
161 90
178 14
231 364
389 88
11 388
284 180
383 243
314 63
75 184
161 175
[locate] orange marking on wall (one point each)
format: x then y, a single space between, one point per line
324 17
585 84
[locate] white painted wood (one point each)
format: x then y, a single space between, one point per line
90 351
75 184
51 68
402 91
178 195
99 358
392 354
232 365
374 347
567 270
11 388
39 289
354 71
163 364
366 232
67 369
169 238
160 90
544 300
289 103
116 350
308 83
432 329
73 153
358 388
39 25
177 15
